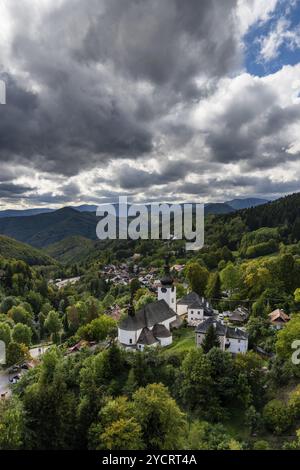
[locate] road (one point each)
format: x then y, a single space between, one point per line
5 376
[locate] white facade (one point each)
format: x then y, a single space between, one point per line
195 315
165 341
237 346
130 337
182 309
168 294
127 337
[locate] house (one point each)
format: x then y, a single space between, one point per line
239 316
278 318
196 308
234 340
151 325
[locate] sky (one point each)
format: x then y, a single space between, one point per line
157 100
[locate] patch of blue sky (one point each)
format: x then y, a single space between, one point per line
287 51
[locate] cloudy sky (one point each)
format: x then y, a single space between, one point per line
158 100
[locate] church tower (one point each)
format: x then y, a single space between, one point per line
166 289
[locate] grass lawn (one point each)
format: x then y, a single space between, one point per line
183 340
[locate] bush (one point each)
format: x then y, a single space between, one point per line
277 416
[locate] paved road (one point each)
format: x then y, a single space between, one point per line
5 376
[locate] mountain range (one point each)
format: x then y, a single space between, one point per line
47 228
69 236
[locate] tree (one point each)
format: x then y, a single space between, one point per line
213 289
16 353
277 417
197 277
144 300
22 334
12 424
5 333
230 278
124 434
287 336
98 329
207 436
196 381
211 339
20 315
53 325
163 423
294 402
117 429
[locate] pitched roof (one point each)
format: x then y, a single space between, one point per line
146 337
203 326
189 299
221 330
278 315
160 331
148 316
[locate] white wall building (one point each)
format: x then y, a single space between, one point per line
233 340
152 324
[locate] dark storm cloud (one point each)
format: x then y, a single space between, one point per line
10 190
170 171
252 128
165 42
87 60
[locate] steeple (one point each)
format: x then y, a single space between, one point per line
167 279
167 290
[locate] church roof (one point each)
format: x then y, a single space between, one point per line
146 337
148 316
160 331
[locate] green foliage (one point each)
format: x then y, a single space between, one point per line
206 436
277 416
12 249
16 353
22 334
287 336
211 339
20 315
12 424
5 333
98 329
197 277
162 422
53 325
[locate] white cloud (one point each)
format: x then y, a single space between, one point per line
279 35
250 12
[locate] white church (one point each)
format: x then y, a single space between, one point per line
152 325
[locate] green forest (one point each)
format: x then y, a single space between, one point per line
101 396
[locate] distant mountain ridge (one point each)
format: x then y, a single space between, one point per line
246 203
211 207
50 228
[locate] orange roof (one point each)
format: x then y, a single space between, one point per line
278 316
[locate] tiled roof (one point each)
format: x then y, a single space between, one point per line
146 337
221 330
278 315
148 316
160 331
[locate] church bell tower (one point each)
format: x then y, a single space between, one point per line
166 289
